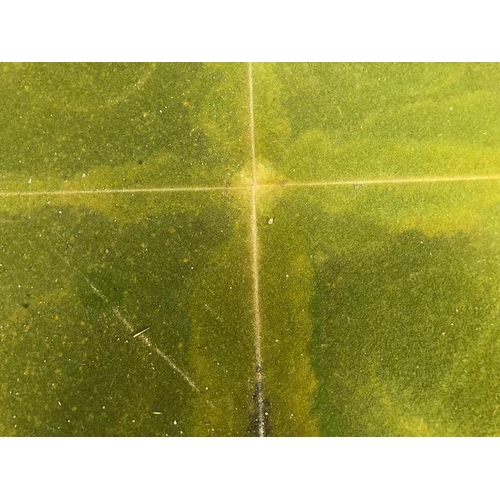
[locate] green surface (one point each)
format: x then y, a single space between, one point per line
326 122
127 245
388 319
84 126
82 275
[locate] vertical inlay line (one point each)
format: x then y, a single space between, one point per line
259 379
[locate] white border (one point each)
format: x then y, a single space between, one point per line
231 468
217 30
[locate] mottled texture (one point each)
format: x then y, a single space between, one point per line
131 206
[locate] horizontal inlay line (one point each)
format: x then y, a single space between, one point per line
282 184
407 180
69 192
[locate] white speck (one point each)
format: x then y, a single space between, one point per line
175 422
59 403
277 340
141 332
29 180
451 108
270 220
104 407
83 176
206 388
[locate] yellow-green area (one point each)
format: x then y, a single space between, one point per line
327 122
88 126
135 285
387 320
81 275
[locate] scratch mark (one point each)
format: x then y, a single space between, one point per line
119 316
213 313
130 328
172 365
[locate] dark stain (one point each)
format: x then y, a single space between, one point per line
253 428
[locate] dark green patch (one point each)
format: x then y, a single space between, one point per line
395 310
405 315
72 366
